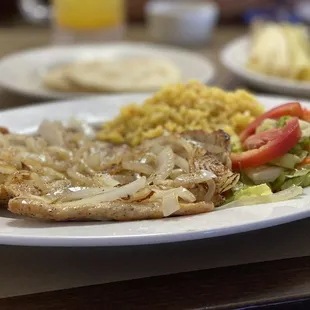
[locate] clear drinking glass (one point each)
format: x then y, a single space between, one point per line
78 20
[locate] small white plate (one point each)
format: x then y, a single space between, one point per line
22 231
22 72
234 57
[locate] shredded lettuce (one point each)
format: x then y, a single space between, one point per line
299 177
286 194
301 154
305 128
236 146
305 143
306 181
282 121
267 124
296 149
276 185
292 181
263 174
302 148
302 145
289 160
244 179
253 191
297 173
243 191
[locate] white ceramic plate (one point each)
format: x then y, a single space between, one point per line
21 231
234 57
22 72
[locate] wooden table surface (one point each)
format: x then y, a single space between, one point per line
277 285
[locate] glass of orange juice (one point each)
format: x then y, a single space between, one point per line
79 20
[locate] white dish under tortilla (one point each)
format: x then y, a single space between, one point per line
234 57
22 231
23 72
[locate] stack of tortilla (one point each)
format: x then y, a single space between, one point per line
119 75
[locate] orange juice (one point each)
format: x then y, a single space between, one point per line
88 14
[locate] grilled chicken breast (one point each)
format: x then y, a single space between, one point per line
69 176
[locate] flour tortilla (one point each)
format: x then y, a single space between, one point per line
57 79
128 74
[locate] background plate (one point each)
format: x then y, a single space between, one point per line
22 72
20 231
234 57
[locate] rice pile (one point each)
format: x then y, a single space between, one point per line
180 107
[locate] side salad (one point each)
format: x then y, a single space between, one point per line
272 156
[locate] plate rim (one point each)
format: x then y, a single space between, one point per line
209 74
150 239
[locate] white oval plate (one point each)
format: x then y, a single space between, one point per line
234 57
23 72
22 231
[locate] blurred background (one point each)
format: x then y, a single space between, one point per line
105 20
203 26
93 16
231 11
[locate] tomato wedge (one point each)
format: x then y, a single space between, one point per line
306 114
287 138
261 138
290 109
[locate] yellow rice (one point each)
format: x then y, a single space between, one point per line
181 107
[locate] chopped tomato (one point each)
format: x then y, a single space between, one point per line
261 138
306 161
306 114
277 146
289 109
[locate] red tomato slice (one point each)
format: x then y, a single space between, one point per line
289 109
287 138
306 115
260 139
